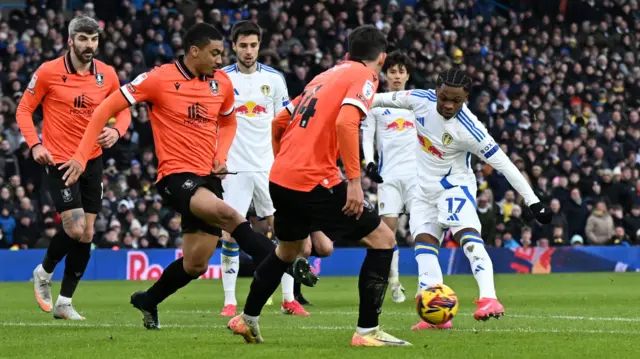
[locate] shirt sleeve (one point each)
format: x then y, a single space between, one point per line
229 100
361 91
33 95
368 136
409 100
484 146
281 96
142 88
123 118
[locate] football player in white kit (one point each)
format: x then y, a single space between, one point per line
260 94
446 193
395 139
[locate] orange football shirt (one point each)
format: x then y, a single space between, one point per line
185 113
68 101
309 150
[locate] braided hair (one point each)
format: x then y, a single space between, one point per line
454 78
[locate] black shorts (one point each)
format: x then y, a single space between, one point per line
86 193
299 213
177 190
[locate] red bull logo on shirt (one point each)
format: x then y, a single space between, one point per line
251 109
400 125
428 147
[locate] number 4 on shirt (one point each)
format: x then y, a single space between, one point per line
306 107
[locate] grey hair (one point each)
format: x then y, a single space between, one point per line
83 23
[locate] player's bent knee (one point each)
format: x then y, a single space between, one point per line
289 251
195 269
381 238
88 234
428 239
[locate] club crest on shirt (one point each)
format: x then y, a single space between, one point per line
265 89
213 85
99 80
447 139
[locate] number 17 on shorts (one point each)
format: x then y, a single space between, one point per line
457 208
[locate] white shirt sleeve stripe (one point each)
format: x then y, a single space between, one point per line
127 95
356 103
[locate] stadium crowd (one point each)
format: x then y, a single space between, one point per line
556 83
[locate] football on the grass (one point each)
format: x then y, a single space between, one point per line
437 304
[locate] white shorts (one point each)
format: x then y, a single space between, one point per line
453 208
244 187
395 194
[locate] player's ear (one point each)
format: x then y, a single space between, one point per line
70 41
382 58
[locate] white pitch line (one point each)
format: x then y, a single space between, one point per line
411 314
320 327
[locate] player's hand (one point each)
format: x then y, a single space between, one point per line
372 172
108 137
42 155
355 199
73 172
219 168
541 212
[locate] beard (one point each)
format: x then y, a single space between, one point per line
84 57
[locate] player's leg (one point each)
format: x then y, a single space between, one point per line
200 241
374 273
237 193
264 209
390 205
91 192
292 226
457 210
318 245
427 233
372 285
68 202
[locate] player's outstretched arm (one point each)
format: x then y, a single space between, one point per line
348 133
484 146
113 104
399 99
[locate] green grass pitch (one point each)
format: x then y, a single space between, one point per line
547 316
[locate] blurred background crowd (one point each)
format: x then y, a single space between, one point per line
556 83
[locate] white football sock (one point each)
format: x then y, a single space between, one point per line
42 274
63 300
481 264
429 271
394 273
365 331
287 288
230 265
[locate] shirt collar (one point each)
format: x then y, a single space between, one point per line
68 65
184 70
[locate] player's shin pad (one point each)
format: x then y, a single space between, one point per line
372 285
266 280
76 263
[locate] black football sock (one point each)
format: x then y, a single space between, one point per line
255 244
173 278
297 289
58 248
266 280
372 284
74 267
